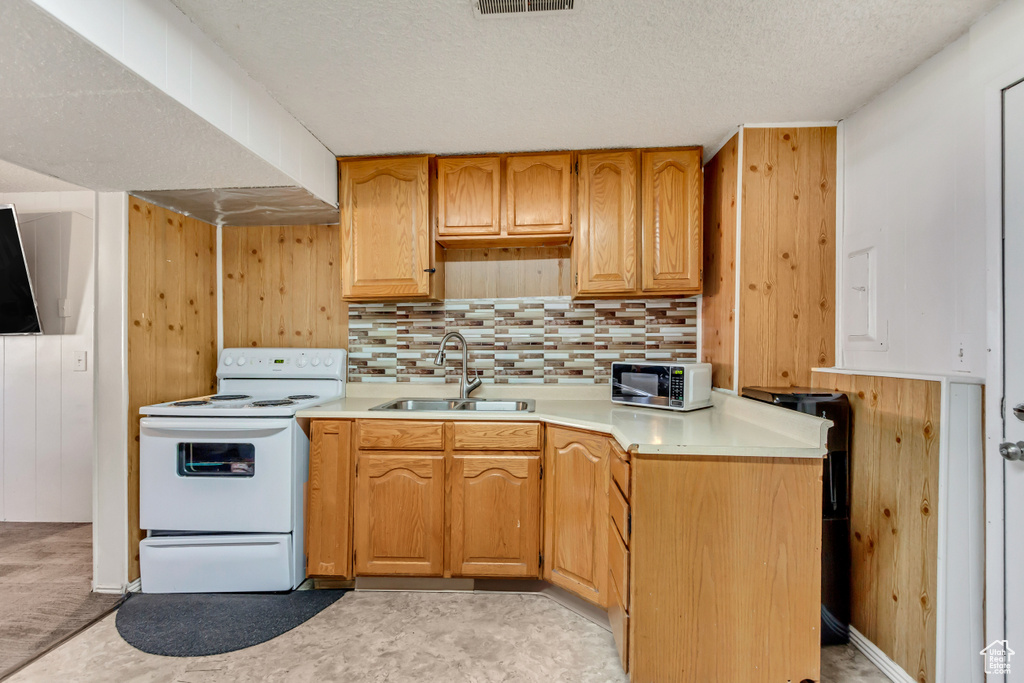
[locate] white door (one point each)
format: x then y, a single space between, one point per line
1013 350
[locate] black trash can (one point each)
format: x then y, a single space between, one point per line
835 500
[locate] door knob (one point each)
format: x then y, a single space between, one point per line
1012 451
1018 411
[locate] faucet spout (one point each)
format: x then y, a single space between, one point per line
466 386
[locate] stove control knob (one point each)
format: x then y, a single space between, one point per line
228 360
329 362
301 362
241 360
316 361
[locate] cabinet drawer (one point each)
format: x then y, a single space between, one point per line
618 617
402 435
496 436
618 510
620 470
618 565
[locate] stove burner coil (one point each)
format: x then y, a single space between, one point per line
271 402
186 404
302 397
229 397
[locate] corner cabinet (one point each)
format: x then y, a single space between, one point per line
387 250
672 221
576 512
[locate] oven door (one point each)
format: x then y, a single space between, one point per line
216 474
641 384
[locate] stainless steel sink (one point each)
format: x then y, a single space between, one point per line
482 405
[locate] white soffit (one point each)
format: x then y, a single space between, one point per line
14 178
432 76
73 112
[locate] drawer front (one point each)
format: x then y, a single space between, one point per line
618 617
496 436
618 565
620 471
618 510
404 435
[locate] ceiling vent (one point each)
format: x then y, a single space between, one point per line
497 7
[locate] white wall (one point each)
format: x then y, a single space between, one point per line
46 431
915 194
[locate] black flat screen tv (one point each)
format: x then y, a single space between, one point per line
18 311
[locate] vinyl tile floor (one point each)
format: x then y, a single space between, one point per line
45 588
397 637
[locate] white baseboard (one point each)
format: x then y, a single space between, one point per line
893 671
135 586
110 590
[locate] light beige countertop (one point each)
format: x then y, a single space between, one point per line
733 426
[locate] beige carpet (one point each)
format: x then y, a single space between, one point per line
45 584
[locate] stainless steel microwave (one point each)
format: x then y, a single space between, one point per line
670 386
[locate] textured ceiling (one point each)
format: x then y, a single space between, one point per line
429 75
72 112
14 178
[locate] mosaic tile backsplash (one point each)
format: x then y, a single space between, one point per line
550 340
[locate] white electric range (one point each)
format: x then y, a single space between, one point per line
221 477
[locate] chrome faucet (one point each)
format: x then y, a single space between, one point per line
465 386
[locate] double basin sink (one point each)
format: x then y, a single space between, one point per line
482 405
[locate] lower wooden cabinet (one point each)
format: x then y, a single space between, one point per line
329 500
576 512
495 516
399 514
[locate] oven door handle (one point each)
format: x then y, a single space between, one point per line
251 427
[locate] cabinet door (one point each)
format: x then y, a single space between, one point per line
495 527
386 244
469 196
329 502
538 191
672 215
576 513
605 250
399 514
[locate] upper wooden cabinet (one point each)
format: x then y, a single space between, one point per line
505 200
539 194
650 247
495 527
605 250
576 512
387 251
469 196
672 217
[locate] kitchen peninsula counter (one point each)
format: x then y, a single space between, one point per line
732 426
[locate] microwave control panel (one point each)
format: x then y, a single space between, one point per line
677 387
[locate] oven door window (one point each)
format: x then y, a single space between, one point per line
216 460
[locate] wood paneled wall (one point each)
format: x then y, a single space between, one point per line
172 330
787 255
721 178
894 492
282 287
502 272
